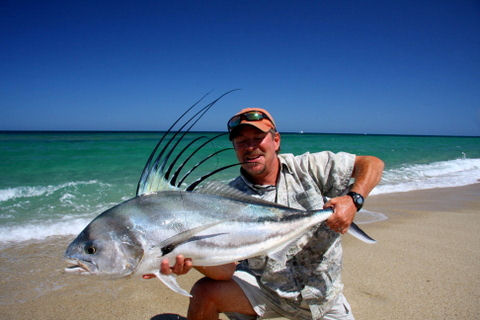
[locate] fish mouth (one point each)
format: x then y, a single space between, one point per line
77 266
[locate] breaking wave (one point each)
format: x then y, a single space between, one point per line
441 174
38 212
36 191
42 230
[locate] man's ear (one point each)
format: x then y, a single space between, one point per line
277 139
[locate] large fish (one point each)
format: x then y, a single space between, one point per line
213 226
136 235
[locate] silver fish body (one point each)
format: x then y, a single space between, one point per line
134 236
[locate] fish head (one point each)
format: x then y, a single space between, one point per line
104 248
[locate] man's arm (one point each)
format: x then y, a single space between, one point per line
367 172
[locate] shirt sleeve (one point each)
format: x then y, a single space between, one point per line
331 171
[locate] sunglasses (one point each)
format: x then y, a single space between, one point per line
250 116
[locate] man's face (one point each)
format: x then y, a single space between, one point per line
257 150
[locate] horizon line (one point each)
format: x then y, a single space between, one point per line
219 131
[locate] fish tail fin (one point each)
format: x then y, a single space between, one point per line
171 282
353 230
358 233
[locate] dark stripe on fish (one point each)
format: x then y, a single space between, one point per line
170 247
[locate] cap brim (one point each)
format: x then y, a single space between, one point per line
260 126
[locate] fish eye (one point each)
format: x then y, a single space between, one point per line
90 249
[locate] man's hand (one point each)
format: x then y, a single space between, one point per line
182 266
343 213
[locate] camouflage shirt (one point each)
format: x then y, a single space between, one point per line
311 277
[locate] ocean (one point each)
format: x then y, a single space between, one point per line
54 183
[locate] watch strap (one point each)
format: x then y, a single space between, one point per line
358 199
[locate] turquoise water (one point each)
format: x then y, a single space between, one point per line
54 183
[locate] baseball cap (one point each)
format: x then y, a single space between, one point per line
256 117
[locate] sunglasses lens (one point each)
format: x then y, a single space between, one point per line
254 116
235 121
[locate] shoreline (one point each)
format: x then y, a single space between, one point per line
426 265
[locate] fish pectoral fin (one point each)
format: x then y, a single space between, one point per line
168 245
358 233
171 282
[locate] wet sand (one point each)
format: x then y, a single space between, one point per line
426 265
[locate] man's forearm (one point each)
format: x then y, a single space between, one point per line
367 173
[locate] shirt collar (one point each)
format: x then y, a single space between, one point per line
284 164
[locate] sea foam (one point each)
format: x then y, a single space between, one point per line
441 174
42 230
36 191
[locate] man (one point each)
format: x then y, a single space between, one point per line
308 285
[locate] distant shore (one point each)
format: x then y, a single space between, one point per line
426 265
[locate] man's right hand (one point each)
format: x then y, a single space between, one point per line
182 266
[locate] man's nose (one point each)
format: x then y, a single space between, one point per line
253 143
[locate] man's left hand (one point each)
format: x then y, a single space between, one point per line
343 213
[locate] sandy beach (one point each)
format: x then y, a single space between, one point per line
426 265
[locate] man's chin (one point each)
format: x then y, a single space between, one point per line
253 167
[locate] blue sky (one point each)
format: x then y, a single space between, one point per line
394 67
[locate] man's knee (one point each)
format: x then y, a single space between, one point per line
205 289
219 295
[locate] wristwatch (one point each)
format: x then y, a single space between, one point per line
357 198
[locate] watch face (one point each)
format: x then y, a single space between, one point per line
359 200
